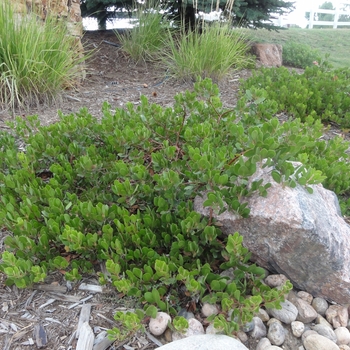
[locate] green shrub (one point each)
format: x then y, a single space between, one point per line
322 93
37 60
145 41
299 55
209 52
120 192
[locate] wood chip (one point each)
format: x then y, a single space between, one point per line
86 338
50 301
79 302
153 339
107 319
84 317
51 288
91 288
40 335
63 297
102 342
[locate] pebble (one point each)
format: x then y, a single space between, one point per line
320 305
306 313
326 332
168 336
212 330
242 336
205 342
194 328
276 280
343 335
263 315
287 314
186 314
276 333
297 328
318 342
259 330
307 333
305 296
263 344
322 320
158 325
209 309
337 315
344 347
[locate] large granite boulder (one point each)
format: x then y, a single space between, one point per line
295 233
269 55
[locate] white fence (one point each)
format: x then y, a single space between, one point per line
335 23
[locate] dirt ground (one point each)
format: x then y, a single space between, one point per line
27 316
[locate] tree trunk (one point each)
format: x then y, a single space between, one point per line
187 14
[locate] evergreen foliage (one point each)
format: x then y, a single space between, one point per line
250 13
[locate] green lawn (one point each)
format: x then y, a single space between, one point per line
336 42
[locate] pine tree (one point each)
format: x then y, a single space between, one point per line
245 13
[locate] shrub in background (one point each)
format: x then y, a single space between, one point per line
322 93
37 59
299 55
211 51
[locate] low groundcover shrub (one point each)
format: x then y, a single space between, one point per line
120 192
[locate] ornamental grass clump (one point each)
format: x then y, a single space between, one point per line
144 41
210 51
37 59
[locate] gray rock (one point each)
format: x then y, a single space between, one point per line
263 315
186 314
291 342
276 280
158 325
273 347
269 55
259 330
295 233
343 336
194 328
212 330
337 315
276 333
287 314
263 344
205 342
321 320
318 342
249 326
209 309
307 333
242 336
306 313
297 328
325 331
320 305
305 296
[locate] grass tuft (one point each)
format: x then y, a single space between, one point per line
144 42
37 59
211 53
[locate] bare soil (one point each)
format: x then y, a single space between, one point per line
111 77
